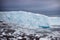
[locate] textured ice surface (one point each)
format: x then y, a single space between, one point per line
27 19
54 20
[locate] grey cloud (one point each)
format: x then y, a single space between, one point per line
50 7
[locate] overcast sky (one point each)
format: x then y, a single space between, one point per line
47 7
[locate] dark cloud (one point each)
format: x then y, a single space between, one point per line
47 7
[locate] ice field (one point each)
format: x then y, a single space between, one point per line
27 22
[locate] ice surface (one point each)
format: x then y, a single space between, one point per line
28 22
54 20
26 19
